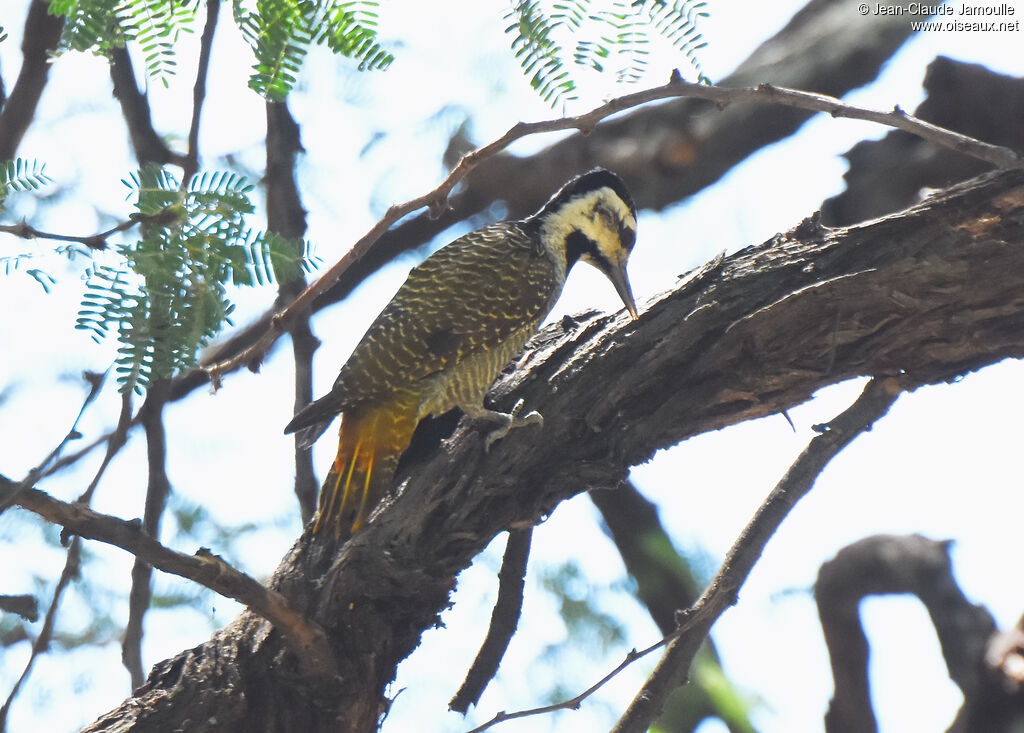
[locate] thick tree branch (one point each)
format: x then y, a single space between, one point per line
889 174
999 705
42 33
504 620
23 605
887 564
923 297
205 568
199 90
149 147
287 216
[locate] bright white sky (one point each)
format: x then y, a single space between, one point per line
911 473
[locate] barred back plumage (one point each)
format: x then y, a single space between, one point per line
461 315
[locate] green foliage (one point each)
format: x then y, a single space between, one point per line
538 53
17 176
166 297
12 263
155 25
100 25
592 632
601 32
281 31
89 25
730 704
579 608
21 175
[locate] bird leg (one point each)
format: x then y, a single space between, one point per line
507 421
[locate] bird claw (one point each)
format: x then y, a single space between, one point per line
511 421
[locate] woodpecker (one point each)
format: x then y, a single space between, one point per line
456 321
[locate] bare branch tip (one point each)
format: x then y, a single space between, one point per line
216 377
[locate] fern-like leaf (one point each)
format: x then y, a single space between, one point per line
677 23
156 26
21 175
280 33
273 257
100 25
538 53
570 12
606 36
169 297
90 25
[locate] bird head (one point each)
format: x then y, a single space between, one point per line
592 219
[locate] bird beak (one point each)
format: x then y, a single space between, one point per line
617 274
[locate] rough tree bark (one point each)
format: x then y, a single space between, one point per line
928 294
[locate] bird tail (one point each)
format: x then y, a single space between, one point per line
370 444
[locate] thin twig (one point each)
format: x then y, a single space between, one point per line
71 567
114 440
115 443
436 200
191 162
95 381
73 562
306 638
157 490
98 241
876 399
574 703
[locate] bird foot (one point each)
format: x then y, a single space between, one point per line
510 421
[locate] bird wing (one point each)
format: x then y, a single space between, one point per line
467 297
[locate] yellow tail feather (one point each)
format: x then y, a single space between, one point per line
369 446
